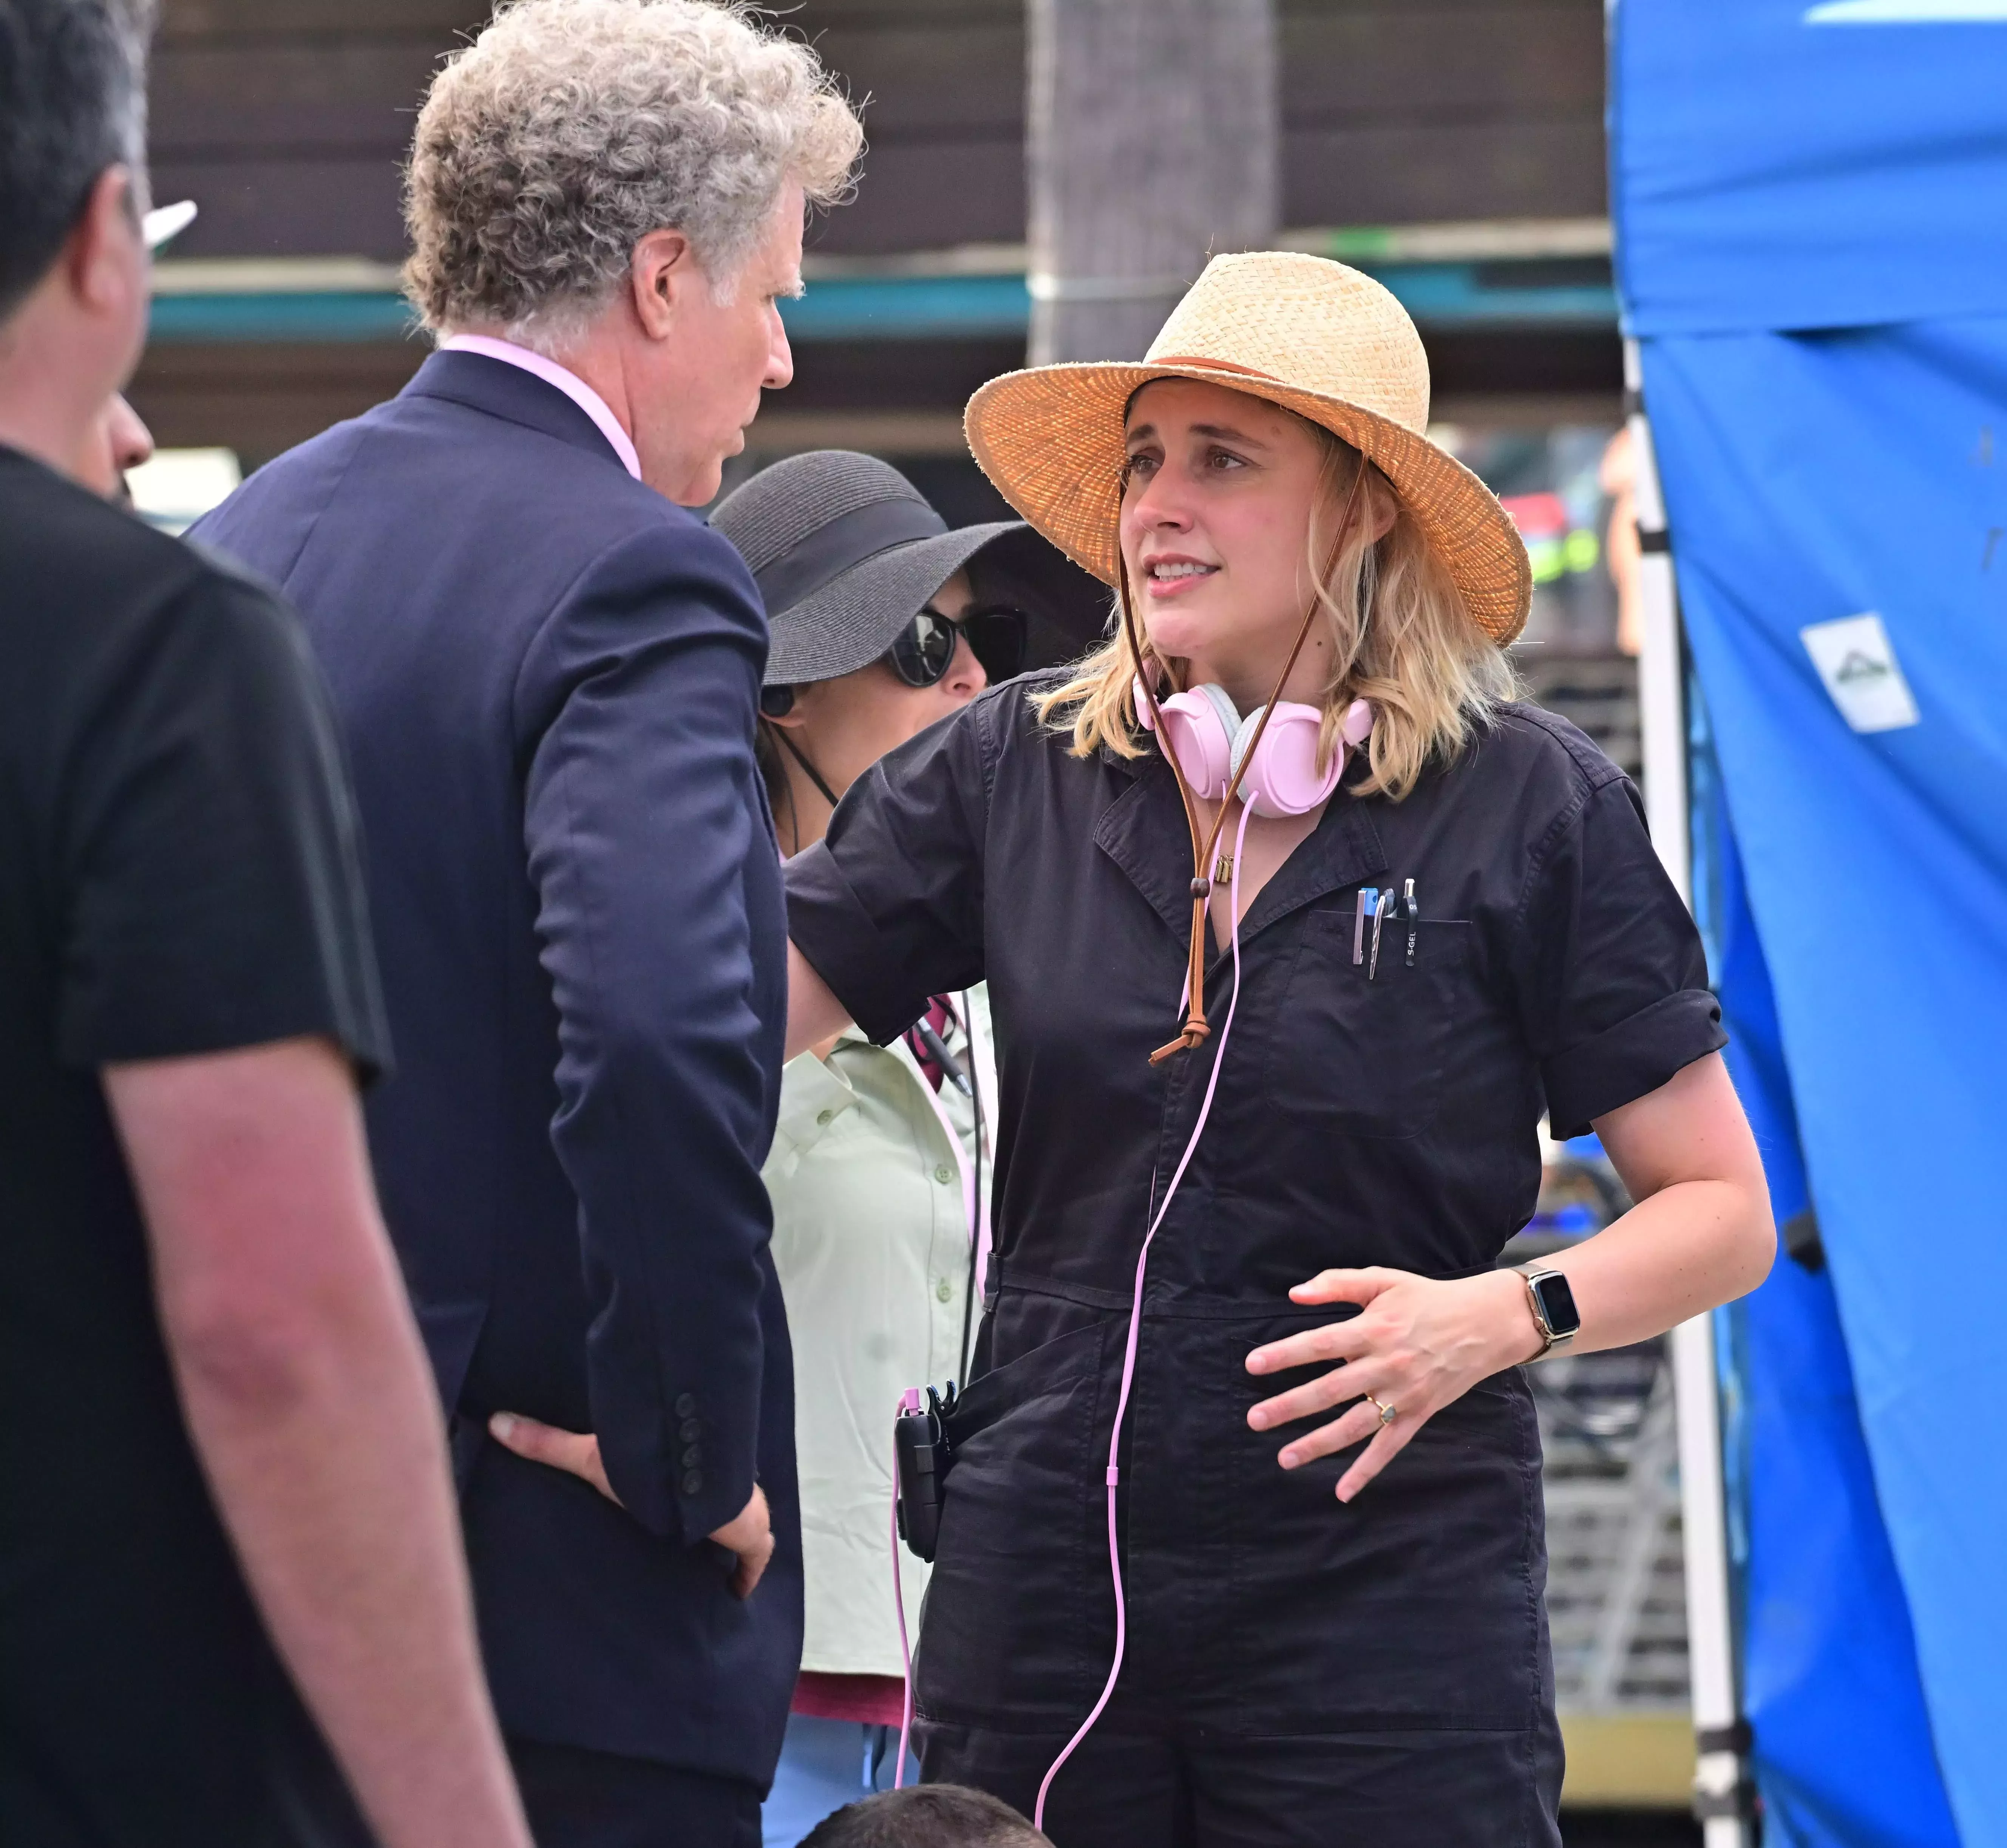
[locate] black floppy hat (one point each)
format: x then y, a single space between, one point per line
845 551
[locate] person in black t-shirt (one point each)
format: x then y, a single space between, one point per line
223 1482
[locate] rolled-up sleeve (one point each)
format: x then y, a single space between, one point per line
887 908
646 847
1611 977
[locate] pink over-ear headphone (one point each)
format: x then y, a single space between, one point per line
1209 738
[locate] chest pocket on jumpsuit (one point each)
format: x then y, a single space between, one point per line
1366 1056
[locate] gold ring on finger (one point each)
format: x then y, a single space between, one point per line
1387 1413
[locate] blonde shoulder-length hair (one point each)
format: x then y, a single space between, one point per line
1400 636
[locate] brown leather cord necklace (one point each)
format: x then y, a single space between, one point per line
1195 1029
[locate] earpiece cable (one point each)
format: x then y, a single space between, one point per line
801 757
1133 1340
1195 1030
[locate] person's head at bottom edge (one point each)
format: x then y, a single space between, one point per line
926 1816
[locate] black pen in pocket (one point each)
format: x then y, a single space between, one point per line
1414 918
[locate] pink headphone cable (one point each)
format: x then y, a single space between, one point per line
909 1401
1135 1323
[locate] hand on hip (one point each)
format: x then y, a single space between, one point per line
1417 1345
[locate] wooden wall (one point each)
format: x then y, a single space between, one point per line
1401 113
287 119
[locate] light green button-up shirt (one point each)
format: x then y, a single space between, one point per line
871 1240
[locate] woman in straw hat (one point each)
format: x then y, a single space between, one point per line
1294 925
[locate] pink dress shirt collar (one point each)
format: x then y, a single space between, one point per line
552 373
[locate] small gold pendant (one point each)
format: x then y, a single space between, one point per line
1223 869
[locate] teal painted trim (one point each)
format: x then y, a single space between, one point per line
1453 294
904 307
885 308
306 317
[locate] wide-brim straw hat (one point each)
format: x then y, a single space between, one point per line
1302 332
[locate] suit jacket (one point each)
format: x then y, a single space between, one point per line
547 676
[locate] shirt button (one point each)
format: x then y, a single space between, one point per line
825 1117
945 1291
944 1174
690 1430
686 1404
693 1480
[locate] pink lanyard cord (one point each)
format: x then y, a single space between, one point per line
1135 1328
909 1401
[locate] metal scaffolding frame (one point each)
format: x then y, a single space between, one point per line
1721 1782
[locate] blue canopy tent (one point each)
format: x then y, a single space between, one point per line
1810 208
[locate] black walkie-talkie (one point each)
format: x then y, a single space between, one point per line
920 1443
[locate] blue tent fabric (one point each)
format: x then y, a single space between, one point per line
1808 200
1843 1751
1783 163
1809 477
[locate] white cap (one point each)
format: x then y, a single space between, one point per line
167 221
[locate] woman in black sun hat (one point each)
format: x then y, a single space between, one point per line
884 621
880 615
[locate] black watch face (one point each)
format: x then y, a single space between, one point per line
1558 1304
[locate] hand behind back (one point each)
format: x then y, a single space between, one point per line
749 1534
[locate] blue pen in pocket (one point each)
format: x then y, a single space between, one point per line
1383 902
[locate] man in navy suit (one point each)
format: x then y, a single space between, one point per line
547 675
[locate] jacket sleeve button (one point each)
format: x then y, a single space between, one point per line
686 1404
690 1429
693 1480
693 1457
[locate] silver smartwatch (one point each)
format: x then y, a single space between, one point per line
1554 1312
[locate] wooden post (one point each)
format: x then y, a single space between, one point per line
1151 146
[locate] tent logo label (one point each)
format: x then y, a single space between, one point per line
1857 662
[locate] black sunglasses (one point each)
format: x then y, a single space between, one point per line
924 650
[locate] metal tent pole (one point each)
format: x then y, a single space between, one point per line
1722 1787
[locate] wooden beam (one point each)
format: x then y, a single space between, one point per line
260 399
1405 173
1628 1760
284 20
1152 143
348 95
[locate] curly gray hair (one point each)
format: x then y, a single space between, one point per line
569 129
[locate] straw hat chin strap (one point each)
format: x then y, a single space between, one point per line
1195 1029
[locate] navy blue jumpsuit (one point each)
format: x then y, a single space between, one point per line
1298 1670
